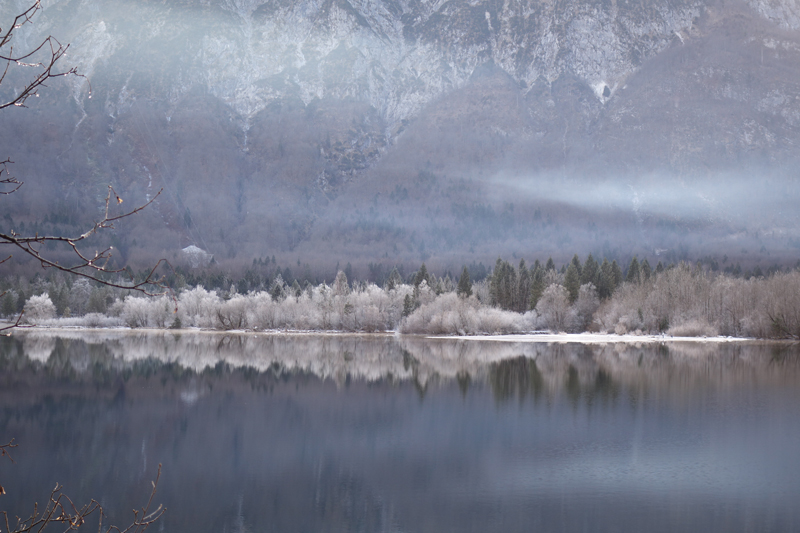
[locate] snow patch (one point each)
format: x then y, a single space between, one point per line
197 256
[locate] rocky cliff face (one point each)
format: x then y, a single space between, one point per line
396 55
298 114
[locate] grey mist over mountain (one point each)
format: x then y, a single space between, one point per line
402 131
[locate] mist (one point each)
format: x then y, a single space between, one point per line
326 133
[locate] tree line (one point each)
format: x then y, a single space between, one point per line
590 295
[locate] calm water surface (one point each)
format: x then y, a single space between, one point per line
309 433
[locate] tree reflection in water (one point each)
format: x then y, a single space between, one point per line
350 433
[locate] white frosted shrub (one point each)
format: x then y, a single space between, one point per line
586 305
621 313
693 328
198 308
449 314
481 291
162 312
233 313
134 311
554 309
306 315
39 308
425 294
263 311
116 308
89 320
779 306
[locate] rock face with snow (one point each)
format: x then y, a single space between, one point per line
289 111
396 55
197 257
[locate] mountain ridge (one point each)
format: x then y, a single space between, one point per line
269 123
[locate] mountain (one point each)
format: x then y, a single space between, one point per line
408 130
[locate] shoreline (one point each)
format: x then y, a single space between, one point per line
526 338
613 338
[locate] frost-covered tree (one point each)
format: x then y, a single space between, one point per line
554 308
585 305
340 285
79 296
393 280
422 275
278 289
39 308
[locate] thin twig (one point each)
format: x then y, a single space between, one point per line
61 509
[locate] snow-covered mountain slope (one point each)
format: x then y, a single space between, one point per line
297 114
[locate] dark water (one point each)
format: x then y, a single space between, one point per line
382 434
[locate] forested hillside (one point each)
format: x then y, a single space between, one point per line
396 132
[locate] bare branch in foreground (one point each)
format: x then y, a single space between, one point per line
50 46
90 266
61 510
8 184
17 324
4 450
94 266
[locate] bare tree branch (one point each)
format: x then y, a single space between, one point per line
95 266
8 184
17 324
50 47
91 265
61 510
4 450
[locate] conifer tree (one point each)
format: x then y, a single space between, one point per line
503 284
9 307
340 285
523 288
296 290
633 276
408 305
495 283
277 291
537 285
550 264
21 298
464 284
645 270
394 279
605 285
591 272
422 275
659 268
617 271
577 262
572 281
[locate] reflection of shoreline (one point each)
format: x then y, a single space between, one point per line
550 367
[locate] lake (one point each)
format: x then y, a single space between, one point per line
298 433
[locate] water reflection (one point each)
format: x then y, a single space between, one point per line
380 433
